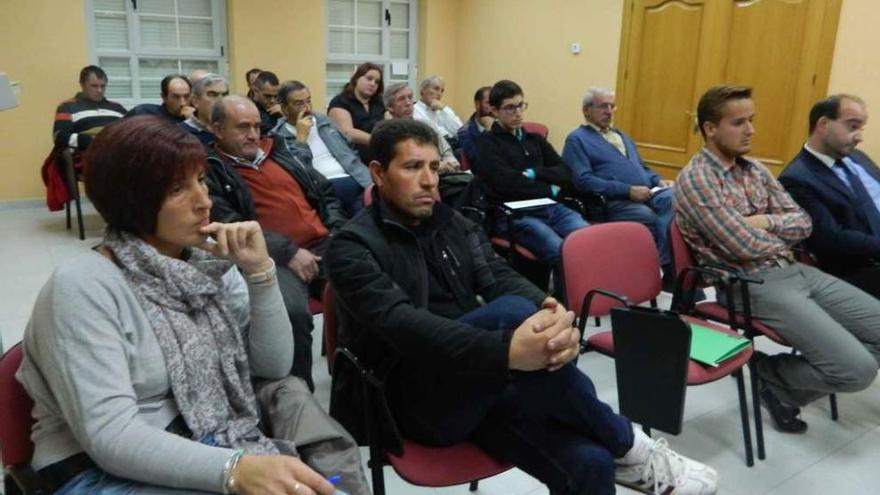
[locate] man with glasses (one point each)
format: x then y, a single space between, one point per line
604 160
316 141
519 165
264 94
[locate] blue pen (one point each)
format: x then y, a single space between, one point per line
334 480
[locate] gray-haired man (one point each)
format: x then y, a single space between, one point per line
207 90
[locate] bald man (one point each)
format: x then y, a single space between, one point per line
259 179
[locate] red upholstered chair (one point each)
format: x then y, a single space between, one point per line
536 128
15 426
690 276
613 264
421 465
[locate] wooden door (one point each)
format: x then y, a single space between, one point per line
673 50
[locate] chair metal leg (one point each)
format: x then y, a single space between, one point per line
744 416
73 188
67 213
79 217
378 476
833 399
756 406
474 486
598 321
647 430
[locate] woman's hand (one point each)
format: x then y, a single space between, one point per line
278 475
240 242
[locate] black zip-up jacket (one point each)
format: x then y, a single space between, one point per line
381 278
502 158
232 201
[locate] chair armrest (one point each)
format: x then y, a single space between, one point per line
383 434
585 310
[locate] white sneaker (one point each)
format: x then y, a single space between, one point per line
652 467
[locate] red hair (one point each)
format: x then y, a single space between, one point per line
132 164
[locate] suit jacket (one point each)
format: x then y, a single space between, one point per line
842 238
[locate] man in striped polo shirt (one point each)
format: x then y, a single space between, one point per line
79 119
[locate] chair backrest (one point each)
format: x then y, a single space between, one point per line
620 257
330 323
464 161
536 128
682 257
15 412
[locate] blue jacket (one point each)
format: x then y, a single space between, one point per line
334 140
842 239
598 167
467 137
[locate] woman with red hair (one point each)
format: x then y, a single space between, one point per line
136 355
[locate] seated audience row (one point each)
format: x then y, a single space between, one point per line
732 212
292 170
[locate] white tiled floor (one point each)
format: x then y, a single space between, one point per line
839 457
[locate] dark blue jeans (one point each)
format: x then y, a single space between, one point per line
549 424
541 230
349 193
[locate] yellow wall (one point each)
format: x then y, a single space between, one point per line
856 65
437 35
469 42
528 42
43 45
284 36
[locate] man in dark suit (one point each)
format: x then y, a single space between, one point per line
839 187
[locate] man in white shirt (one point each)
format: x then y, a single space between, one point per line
431 110
398 99
316 141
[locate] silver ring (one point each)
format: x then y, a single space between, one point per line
296 487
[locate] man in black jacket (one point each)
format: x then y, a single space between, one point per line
254 179
468 349
518 165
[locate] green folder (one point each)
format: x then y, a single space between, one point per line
713 347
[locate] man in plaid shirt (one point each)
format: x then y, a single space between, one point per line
732 211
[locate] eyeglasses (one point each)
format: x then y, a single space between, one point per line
513 108
606 106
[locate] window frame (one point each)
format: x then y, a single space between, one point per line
385 60
135 53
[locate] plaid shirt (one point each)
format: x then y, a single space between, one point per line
712 200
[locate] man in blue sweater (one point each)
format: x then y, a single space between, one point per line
604 160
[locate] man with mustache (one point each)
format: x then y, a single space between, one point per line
839 186
732 212
259 179
314 138
468 348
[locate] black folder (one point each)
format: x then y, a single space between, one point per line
651 354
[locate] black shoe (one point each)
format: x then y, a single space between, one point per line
785 418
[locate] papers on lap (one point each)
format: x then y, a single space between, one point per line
529 203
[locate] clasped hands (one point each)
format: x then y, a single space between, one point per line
545 340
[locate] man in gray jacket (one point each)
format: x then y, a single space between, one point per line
316 141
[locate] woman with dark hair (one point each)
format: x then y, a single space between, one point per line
359 107
139 355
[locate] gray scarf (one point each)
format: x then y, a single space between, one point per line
203 349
